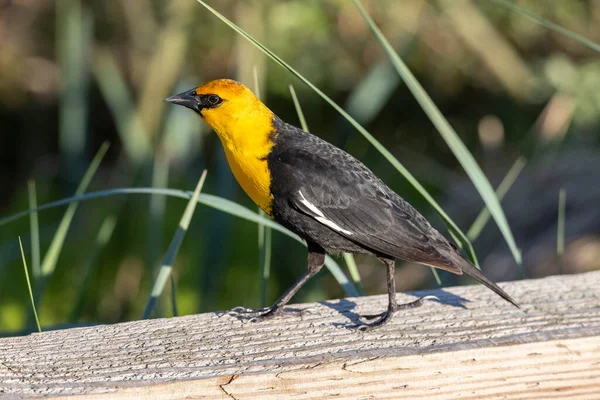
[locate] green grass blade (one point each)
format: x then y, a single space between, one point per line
157 206
464 157
119 100
51 258
34 226
560 229
354 274
339 275
560 234
436 276
548 24
37 320
156 211
503 188
257 91
215 202
301 118
167 266
174 310
388 156
373 92
73 43
265 250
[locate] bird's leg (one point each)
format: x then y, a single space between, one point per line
316 259
385 316
393 306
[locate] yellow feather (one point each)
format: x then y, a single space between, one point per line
244 126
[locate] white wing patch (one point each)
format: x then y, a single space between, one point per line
319 216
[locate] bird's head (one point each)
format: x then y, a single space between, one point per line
226 105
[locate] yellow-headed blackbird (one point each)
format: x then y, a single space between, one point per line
320 192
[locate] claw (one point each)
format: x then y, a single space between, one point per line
384 317
417 303
372 325
243 310
372 316
249 312
252 314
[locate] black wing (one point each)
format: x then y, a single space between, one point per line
340 192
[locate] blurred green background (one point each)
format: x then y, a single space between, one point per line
77 73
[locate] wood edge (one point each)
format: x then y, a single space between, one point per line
537 369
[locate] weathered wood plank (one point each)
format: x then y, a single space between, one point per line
556 369
469 342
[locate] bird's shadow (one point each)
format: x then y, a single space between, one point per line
346 307
443 297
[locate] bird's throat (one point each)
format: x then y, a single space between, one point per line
247 144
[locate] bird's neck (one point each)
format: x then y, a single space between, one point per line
247 132
247 140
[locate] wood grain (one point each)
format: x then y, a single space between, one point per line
471 344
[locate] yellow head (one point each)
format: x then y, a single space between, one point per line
231 109
244 125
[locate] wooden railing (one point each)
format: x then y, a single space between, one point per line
470 345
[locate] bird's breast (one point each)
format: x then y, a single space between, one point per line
252 173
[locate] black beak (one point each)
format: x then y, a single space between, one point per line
187 99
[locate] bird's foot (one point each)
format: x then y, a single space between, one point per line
255 314
384 317
380 320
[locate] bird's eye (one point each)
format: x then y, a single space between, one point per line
213 99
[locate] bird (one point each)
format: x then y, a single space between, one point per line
321 193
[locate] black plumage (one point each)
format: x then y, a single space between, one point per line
313 181
380 222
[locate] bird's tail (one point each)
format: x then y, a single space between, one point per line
473 272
